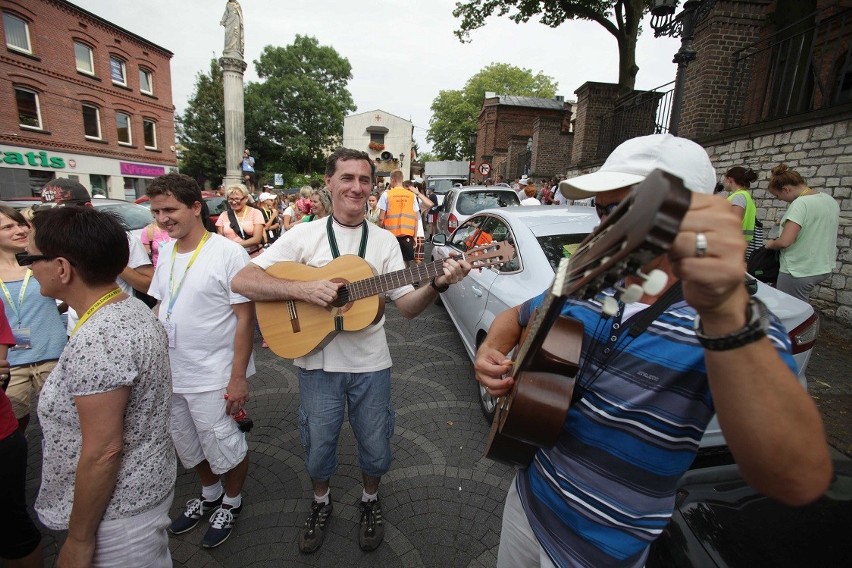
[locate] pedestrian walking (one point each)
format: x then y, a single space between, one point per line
737 182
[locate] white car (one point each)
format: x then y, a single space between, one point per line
542 236
462 202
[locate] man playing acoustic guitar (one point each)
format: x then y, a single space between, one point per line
641 403
354 367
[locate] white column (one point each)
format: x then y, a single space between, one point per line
235 137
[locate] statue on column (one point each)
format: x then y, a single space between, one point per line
232 20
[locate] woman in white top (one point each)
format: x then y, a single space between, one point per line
530 192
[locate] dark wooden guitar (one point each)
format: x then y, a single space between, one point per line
546 361
293 328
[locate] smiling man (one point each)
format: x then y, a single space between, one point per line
354 368
210 333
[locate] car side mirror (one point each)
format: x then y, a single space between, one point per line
439 240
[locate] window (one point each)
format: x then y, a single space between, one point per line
29 112
17 33
84 57
122 123
149 130
146 81
377 137
117 70
91 121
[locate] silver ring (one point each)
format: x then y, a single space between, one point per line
700 245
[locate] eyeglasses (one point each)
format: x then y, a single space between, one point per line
25 259
237 199
604 210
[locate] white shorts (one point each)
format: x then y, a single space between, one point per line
140 541
202 431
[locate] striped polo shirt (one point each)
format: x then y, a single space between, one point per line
606 490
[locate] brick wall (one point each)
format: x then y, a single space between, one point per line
51 71
551 148
594 100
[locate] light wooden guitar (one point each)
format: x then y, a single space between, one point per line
293 328
546 362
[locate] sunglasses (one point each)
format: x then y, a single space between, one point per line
604 210
25 259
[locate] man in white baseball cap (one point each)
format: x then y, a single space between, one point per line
606 489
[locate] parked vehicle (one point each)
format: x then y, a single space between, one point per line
443 175
541 236
135 217
462 202
216 204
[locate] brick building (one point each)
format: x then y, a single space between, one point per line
81 98
508 125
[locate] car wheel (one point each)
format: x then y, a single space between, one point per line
487 403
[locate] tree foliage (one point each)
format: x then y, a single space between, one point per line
455 112
620 18
294 114
201 129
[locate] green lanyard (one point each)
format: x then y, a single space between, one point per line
332 242
17 309
174 293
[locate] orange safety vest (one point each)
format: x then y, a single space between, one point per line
400 218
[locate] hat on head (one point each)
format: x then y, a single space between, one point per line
524 180
633 160
265 196
65 191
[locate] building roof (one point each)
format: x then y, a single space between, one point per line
378 110
528 102
109 24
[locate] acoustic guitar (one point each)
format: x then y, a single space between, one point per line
643 227
293 328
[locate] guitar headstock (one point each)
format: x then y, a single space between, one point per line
641 228
490 254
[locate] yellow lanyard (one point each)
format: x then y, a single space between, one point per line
95 307
173 293
17 309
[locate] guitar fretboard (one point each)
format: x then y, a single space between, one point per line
385 282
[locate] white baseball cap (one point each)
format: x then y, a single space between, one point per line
633 160
265 196
523 181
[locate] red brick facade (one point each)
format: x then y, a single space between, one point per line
50 70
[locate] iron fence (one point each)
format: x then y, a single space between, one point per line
803 67
638 114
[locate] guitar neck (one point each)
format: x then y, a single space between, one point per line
386 282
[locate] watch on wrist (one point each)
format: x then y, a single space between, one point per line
439 289
757 324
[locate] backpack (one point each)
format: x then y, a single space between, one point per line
764 264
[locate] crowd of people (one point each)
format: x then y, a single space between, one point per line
125 391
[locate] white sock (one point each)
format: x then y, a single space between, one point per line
324 499
367 497
233 502
211 492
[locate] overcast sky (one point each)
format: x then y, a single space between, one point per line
402 52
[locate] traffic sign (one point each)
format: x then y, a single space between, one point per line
473 167
485 168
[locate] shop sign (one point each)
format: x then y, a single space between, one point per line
128 169
32 159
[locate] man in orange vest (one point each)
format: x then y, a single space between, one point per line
399 213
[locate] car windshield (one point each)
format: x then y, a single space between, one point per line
442 186
216 205
557 246
134 216
471 202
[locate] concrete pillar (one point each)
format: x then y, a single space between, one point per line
235 134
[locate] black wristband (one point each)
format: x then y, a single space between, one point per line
757 324
439 289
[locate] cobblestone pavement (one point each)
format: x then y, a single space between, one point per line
442 499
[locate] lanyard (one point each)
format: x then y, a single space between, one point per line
95 307
174 293
17 309
362 249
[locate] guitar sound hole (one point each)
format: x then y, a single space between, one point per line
342 298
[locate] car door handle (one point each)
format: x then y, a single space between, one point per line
477 291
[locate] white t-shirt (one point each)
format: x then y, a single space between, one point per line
350 351
204 322
138 257
383 203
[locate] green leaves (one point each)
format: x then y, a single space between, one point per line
455 112
201 128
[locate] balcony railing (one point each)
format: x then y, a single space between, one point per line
638 114
804 67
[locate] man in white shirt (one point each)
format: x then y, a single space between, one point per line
210 331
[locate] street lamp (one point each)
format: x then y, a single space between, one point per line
529 157
401 159
664 22
471 145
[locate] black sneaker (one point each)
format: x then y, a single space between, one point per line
195 510
311 537
372 530
221 524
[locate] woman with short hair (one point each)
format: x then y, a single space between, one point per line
242 223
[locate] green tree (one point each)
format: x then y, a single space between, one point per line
619 17
201 129
455 112
294 114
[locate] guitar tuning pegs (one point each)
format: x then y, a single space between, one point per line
631 294
655 281
609 306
